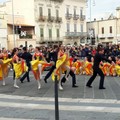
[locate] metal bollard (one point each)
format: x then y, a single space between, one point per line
56 99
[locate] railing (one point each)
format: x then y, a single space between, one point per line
82 17
58 20
75 34
68 16
75 17
50 19
41 19
49 40
101 36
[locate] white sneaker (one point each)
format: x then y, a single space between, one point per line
16 86
3 84
39 87
60 87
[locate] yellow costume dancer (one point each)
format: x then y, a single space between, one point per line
38 65
78 66
117 67
88 68
5 66
112 71
19 66
105 68
62 64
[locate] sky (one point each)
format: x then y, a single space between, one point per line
101 8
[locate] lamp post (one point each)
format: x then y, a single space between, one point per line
13 23
90 5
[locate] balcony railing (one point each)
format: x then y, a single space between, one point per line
28 36
49 40
75 17
41 19
58 20
50 19
82 17
68 16
75 34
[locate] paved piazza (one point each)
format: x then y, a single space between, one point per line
82 103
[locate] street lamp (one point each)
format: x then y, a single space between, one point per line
91 3
13 23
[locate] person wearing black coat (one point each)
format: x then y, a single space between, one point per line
27 57
96 70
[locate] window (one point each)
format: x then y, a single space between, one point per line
50 33
57 13
67 10
49 12
75 27
41 11
68 27
41 32
102 30
58 33
81 27
74 11
110 29
81 11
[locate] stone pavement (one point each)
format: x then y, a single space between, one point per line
80 103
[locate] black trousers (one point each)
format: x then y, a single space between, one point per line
71 73
97 70
50 72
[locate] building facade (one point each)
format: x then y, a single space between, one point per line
3 30
105 30
60 22
21 18
43 22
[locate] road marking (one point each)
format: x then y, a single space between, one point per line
49 99
62 107
2 118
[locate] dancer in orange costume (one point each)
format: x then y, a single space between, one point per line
105 68
88 67
117 67
62 64
5 66
19 66
38 65
112 71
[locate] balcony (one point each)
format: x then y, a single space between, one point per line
75 17
58 20
75 34
110 36
82 17
102 36
41 19
68 16
50 19
48 40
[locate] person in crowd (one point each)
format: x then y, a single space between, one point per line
19 66
96 70
28 58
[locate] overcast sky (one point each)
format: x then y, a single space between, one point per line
101 7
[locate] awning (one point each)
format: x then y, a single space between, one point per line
26 25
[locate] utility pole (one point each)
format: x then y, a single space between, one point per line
13 23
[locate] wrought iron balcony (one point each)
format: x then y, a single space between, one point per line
75 34
41 19
82 17
75 17
68 16
50 19
58 19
